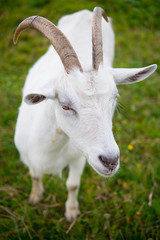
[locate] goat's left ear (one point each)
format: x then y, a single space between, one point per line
35 98
131 75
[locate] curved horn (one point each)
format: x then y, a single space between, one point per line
97 44
55 36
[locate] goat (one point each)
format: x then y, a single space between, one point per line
77 80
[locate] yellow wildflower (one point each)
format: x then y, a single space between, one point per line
138 213
130 147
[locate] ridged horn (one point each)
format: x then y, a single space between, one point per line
55 36
97 44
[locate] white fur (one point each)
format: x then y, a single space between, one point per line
50 138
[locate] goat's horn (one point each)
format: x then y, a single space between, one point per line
97 44
55 36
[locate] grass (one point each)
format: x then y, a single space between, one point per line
125 206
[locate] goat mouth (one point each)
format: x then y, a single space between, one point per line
107 173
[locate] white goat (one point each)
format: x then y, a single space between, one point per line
75 123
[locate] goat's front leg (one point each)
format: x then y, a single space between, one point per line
73 182
37 189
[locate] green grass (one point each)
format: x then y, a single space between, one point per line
115 208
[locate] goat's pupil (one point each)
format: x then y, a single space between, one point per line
66 107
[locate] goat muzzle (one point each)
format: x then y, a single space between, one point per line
109 163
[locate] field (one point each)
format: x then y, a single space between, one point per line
126 206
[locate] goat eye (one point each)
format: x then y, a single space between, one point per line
66 107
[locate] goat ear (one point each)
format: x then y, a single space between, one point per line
35 98
132 75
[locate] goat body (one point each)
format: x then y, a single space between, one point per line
75 122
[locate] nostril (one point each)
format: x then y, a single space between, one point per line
103 159
110 163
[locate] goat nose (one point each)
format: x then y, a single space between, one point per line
108 162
